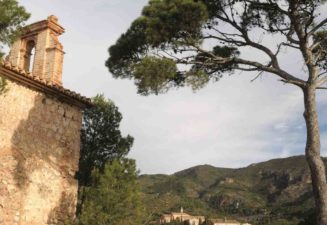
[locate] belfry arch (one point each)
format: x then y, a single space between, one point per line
29 55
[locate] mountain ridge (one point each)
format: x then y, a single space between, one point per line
277 188
218 167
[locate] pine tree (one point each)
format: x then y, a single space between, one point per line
191 42
113 197
101 139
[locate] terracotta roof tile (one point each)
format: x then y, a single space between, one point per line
55 87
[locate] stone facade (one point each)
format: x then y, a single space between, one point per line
181 216
39 137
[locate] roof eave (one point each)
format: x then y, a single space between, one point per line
59 92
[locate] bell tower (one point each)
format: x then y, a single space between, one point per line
39 52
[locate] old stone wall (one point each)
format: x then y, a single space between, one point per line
39 152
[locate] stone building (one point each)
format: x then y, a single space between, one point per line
40 125
181 216
195 220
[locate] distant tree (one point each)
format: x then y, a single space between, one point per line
101 139
113 197
190 42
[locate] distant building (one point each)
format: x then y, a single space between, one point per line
195 220
181 216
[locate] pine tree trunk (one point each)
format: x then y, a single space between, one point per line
312 152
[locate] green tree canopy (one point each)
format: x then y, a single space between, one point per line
101 139
12 16
113 197
190 42
174 33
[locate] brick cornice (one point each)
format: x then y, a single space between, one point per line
51 23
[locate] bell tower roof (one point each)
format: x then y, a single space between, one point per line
50 23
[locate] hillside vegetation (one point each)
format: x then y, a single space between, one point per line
276 190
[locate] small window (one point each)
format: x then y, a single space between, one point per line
29 56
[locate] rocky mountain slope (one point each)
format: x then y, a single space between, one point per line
276 190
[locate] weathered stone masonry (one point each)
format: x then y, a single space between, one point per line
39 132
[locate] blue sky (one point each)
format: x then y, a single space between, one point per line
230 123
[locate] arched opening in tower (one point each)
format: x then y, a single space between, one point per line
29 56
